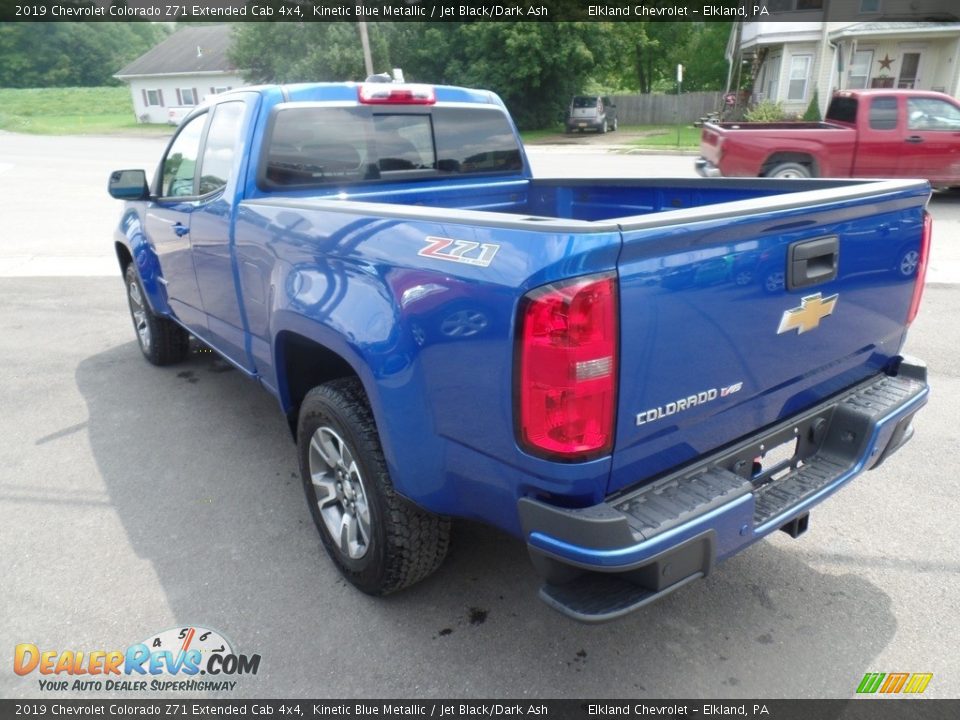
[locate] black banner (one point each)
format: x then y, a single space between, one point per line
218 11
858 709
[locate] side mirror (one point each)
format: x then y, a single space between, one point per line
128 185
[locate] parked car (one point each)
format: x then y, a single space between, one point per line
175 115
578 362
593 112
867 133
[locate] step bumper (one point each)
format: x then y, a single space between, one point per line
604 561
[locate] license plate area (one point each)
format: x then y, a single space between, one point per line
782 451
777 461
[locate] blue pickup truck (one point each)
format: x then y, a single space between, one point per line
639 378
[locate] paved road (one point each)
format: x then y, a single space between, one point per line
135 499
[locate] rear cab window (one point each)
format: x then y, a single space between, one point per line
315 146
843 110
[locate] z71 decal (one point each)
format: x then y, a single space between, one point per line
459 251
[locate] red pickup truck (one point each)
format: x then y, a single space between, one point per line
867 133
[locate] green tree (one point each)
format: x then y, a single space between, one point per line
813 109
534 67
306 52
703 56
71 54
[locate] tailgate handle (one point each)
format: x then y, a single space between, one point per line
812 262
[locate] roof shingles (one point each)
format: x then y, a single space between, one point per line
196 49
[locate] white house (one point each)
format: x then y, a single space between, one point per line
871 46
180 72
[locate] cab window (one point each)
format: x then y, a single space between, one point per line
932 114
180 164
220 149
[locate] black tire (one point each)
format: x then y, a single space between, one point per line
616 125
395 543
789 170
161 340
603 128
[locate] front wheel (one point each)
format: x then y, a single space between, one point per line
789 170
161 340
378 540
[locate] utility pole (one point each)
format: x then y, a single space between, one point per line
679 90
365 42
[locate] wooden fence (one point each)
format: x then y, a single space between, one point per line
665 109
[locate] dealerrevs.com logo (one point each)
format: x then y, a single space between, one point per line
187 659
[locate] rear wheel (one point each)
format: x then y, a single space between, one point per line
378 540
161 340
789 170
604 127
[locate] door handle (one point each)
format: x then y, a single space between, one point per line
180 229
914 139
812 262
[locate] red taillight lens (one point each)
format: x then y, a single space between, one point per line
921 278
567 368
393 94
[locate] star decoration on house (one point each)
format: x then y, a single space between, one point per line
886 62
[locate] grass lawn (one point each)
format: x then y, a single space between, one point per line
72 111
665 136
534 135
662 137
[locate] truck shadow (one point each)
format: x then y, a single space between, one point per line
201 471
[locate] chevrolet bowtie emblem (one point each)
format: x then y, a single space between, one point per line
812 310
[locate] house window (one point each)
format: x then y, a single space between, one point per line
153 97
909 71
218 90
769 79
799 73
869 6
859 74
187 96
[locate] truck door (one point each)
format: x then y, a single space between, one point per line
211 229
931 142
877 139
168 221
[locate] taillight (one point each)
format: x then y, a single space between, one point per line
567 368
392 93
921 277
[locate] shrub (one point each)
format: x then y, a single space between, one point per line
813 109
765 111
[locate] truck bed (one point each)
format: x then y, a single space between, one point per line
701 269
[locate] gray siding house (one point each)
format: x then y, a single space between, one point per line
789 61
180 72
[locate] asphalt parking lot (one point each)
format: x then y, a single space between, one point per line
135 499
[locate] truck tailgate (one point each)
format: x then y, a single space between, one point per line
716 339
